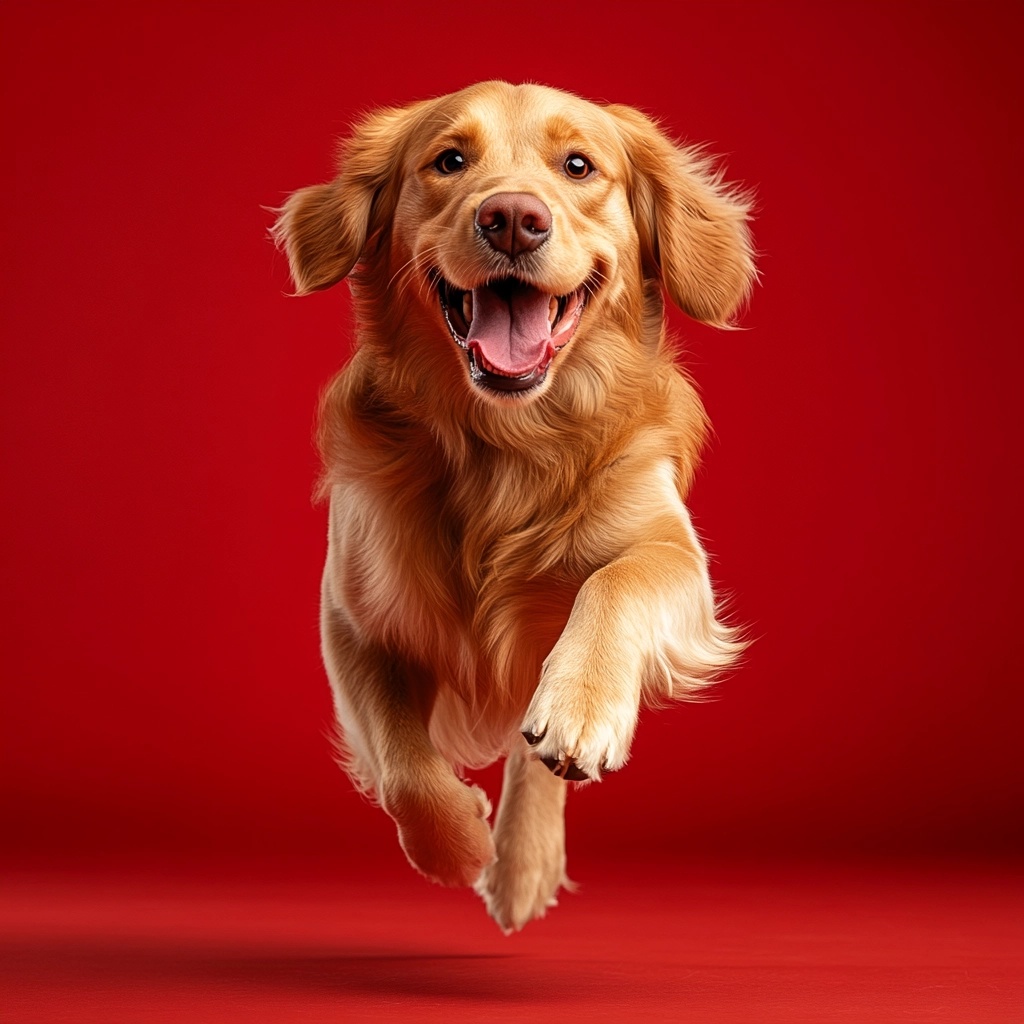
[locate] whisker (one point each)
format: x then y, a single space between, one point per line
413 263
596 279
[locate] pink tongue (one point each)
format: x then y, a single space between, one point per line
510 327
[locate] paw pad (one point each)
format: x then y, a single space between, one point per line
566 768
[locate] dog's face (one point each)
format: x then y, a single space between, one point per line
516 213
507 219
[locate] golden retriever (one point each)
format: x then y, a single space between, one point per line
511 568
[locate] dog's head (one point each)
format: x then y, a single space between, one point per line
503 220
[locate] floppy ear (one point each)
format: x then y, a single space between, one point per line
692 228
324 229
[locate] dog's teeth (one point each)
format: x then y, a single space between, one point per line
553 310
467 307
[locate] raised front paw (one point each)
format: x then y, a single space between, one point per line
581 723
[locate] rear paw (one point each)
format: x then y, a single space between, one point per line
448 840
514 896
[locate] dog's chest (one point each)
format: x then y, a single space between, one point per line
473 585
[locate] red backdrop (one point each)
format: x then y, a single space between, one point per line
861 501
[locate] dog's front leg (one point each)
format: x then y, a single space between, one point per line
382 708
645 621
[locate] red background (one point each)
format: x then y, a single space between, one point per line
862 502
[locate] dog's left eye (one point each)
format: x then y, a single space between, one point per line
578 166
450 161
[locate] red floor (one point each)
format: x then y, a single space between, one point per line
690 943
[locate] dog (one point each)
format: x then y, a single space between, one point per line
511 568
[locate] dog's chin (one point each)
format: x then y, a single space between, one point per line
511 332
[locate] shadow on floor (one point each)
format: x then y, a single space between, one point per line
470 976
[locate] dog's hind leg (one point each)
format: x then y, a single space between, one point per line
382 707
529 835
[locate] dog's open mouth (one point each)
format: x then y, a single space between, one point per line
510 330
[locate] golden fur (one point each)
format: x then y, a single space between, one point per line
500 563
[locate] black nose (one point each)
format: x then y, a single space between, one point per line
514 222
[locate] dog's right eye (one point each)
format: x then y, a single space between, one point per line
450 161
